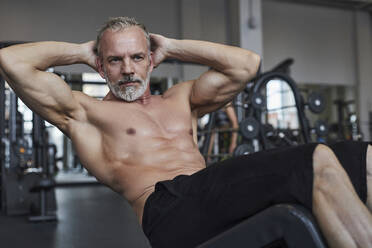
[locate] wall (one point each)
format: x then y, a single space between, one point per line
77 21
320 39
202 20
330 46
363 61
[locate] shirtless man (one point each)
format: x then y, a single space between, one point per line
132 139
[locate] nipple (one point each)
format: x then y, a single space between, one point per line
191 132
131 131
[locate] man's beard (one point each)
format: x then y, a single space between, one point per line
129 93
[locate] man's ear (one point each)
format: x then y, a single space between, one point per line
99 66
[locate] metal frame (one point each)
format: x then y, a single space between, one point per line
15 184
262 82
364 5
2 145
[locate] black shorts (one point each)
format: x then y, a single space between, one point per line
189 210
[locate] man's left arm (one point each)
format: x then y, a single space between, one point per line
231 69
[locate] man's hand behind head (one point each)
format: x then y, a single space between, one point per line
159 45
90 56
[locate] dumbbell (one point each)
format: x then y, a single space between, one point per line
315 102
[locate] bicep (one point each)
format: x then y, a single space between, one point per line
43 92
212 91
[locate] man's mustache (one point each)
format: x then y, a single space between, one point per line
130 79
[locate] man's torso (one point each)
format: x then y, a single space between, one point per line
129 146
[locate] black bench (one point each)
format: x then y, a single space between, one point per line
289 226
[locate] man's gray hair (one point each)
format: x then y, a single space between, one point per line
119 23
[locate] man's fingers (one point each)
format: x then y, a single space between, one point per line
153 42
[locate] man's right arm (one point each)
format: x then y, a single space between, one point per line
23 67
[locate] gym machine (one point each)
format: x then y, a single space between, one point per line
347 126
258 134
27 161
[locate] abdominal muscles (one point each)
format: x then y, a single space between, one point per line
136 169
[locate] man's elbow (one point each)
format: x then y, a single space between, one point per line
5 60
11 63
2 57
252 66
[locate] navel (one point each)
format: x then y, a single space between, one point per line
131 131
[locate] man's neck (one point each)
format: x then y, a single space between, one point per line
145 99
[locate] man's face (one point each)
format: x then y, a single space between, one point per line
125 62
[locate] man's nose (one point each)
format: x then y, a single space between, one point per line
127 67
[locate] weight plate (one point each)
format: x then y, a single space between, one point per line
258 101
243 149
249 128
316 102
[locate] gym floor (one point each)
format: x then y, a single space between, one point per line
88 216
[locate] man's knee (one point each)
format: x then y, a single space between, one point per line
328 171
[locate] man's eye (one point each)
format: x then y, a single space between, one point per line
113 60
138 58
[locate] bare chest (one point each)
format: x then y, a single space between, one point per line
137 122
134 129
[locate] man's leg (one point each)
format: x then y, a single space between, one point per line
343 218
